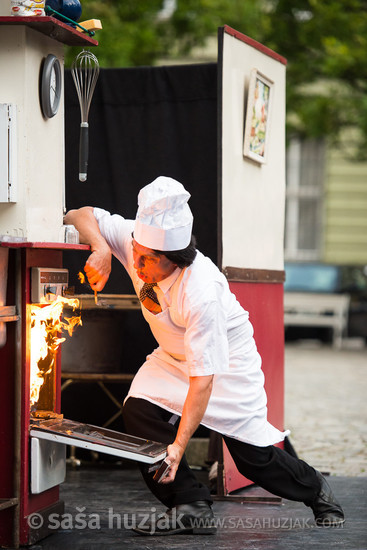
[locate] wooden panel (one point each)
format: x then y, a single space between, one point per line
254 275
52 27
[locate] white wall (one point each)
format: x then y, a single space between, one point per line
5 7
253 194
37 214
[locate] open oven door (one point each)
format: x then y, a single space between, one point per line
49 438
102 440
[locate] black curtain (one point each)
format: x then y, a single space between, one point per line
145 122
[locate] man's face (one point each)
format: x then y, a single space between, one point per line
150 266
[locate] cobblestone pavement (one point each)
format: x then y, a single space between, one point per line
326 406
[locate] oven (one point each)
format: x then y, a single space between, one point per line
34 433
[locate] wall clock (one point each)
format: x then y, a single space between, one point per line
50 86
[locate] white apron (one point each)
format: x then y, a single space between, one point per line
237 405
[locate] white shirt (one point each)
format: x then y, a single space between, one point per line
201 330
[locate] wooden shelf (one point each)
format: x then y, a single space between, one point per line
53 28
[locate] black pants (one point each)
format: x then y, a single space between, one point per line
269 467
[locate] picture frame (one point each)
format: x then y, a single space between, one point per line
257 121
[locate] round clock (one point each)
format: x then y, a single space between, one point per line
50 90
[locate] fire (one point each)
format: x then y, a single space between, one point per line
46 326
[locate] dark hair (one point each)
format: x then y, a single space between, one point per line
182 258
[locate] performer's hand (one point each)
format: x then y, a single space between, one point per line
174 455
98 268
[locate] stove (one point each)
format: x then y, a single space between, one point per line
34 433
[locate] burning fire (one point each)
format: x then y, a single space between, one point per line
46 326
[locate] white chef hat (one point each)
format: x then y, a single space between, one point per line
164 219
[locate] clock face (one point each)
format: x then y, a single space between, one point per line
50 88
53 87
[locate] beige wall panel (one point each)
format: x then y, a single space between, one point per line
253 194
37 214
345 211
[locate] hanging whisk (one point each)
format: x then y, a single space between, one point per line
85 71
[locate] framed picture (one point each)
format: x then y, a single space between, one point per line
257 117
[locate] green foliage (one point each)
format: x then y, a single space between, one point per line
324 41
129 34
134 34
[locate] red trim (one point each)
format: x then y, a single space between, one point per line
255 44
31 503
56 246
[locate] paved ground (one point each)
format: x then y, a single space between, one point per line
326 405
325 408
102 505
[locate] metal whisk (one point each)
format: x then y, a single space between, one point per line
85 71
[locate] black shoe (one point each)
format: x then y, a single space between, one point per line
195 518
326 508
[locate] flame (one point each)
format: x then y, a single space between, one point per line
46 326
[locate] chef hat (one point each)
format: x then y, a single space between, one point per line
164 219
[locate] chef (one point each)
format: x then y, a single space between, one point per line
206 369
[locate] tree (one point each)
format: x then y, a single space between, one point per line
138 33
324 41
